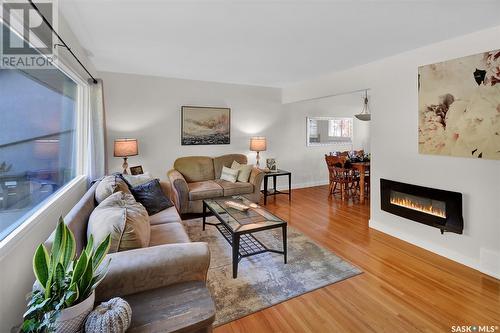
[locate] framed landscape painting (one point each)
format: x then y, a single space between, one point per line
205 125
459 107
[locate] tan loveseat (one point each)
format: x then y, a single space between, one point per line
155 280
195 178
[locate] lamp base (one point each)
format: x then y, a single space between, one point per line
257 164
125 166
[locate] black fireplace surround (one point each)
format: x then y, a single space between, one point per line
443 209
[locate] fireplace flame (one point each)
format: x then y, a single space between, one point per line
408 203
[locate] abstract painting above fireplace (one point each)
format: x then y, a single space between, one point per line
459 105
437 208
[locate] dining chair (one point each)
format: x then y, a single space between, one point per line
340 176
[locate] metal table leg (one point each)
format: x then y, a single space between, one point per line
236 248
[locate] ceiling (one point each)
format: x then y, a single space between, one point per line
268 43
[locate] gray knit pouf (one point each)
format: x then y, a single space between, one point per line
113 316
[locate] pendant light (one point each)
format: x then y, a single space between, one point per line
365 114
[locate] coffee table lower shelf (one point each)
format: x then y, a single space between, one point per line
249 245
240 237
246 245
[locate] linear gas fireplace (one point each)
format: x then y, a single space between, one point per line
437 208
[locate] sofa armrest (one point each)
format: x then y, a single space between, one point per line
256 178
154 267
166 188
180 190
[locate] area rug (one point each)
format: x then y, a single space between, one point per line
264 280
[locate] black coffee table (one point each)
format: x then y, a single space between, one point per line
237 227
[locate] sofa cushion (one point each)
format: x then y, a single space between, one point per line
109 185
204 190
165 216
234 188
168 233
151 196
227 161
195 168
125 219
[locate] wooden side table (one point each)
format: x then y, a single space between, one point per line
274 191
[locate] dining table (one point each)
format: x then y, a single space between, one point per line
363 168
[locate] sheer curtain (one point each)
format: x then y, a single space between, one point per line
96 163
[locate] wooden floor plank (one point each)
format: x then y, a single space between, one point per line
403 288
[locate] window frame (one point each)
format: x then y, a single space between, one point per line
81 154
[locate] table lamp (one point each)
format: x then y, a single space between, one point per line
258 144
125 148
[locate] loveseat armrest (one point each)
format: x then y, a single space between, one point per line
256 177
154 267
180 190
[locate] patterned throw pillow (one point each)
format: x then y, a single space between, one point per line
109 185
245 171
230 175
151 196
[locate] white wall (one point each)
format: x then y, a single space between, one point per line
309 162
394 149
148 108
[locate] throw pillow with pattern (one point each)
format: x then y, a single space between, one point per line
231 175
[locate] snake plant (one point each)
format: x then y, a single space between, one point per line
62 279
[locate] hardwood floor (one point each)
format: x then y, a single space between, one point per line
403 288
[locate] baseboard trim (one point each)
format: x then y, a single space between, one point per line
301 185
467 261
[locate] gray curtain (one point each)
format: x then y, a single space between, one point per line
96 163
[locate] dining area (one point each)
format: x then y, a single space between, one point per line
349 175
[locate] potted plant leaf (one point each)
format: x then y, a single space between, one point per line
64 289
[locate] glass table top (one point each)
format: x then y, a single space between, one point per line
256 217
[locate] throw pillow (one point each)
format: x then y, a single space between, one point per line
151 196
135 180
245 171
109 185
231 175
125 219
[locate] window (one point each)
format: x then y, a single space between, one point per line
313 130
340 129
38 140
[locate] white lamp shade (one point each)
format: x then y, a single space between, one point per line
258 143
126 147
